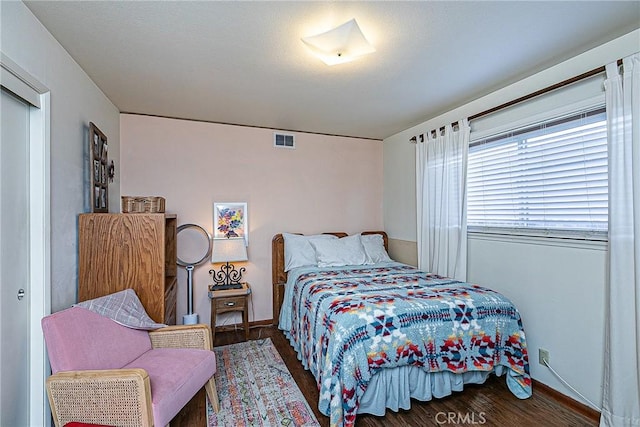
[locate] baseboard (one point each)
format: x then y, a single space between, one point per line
578 407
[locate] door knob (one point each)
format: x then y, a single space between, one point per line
20 294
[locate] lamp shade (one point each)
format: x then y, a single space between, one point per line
342 44
229 250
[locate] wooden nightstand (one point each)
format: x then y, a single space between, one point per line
230 300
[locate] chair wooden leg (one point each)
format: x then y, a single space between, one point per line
212 393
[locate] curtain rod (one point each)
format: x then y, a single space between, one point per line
547 89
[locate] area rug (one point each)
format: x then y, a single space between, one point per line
255 388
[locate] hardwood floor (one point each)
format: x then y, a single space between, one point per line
490 404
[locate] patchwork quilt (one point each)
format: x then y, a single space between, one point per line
346 323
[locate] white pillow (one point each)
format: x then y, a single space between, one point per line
298 251
345 251
374 247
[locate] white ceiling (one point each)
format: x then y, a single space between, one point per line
243 62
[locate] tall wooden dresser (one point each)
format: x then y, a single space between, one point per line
130 250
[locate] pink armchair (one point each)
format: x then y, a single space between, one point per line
106 373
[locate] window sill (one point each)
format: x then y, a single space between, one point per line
596 242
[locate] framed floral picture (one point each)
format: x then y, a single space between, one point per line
231 220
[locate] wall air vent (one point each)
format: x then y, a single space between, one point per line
283 140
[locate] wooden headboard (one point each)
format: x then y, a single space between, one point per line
279 276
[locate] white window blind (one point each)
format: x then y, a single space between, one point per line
550 178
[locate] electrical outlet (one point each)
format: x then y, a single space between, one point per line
543 355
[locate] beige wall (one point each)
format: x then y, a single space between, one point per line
75 101
326 184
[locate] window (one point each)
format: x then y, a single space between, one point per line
548 179
281 140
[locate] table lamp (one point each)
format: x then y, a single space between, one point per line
227 250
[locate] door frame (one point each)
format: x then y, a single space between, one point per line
23 84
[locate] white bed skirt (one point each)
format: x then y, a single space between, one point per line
394 388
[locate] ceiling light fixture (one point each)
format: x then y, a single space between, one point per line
342 44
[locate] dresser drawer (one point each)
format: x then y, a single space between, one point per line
231 303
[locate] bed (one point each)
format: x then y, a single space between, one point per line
376 333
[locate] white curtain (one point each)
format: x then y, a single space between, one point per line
441 182
621 392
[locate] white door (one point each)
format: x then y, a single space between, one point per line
14 262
